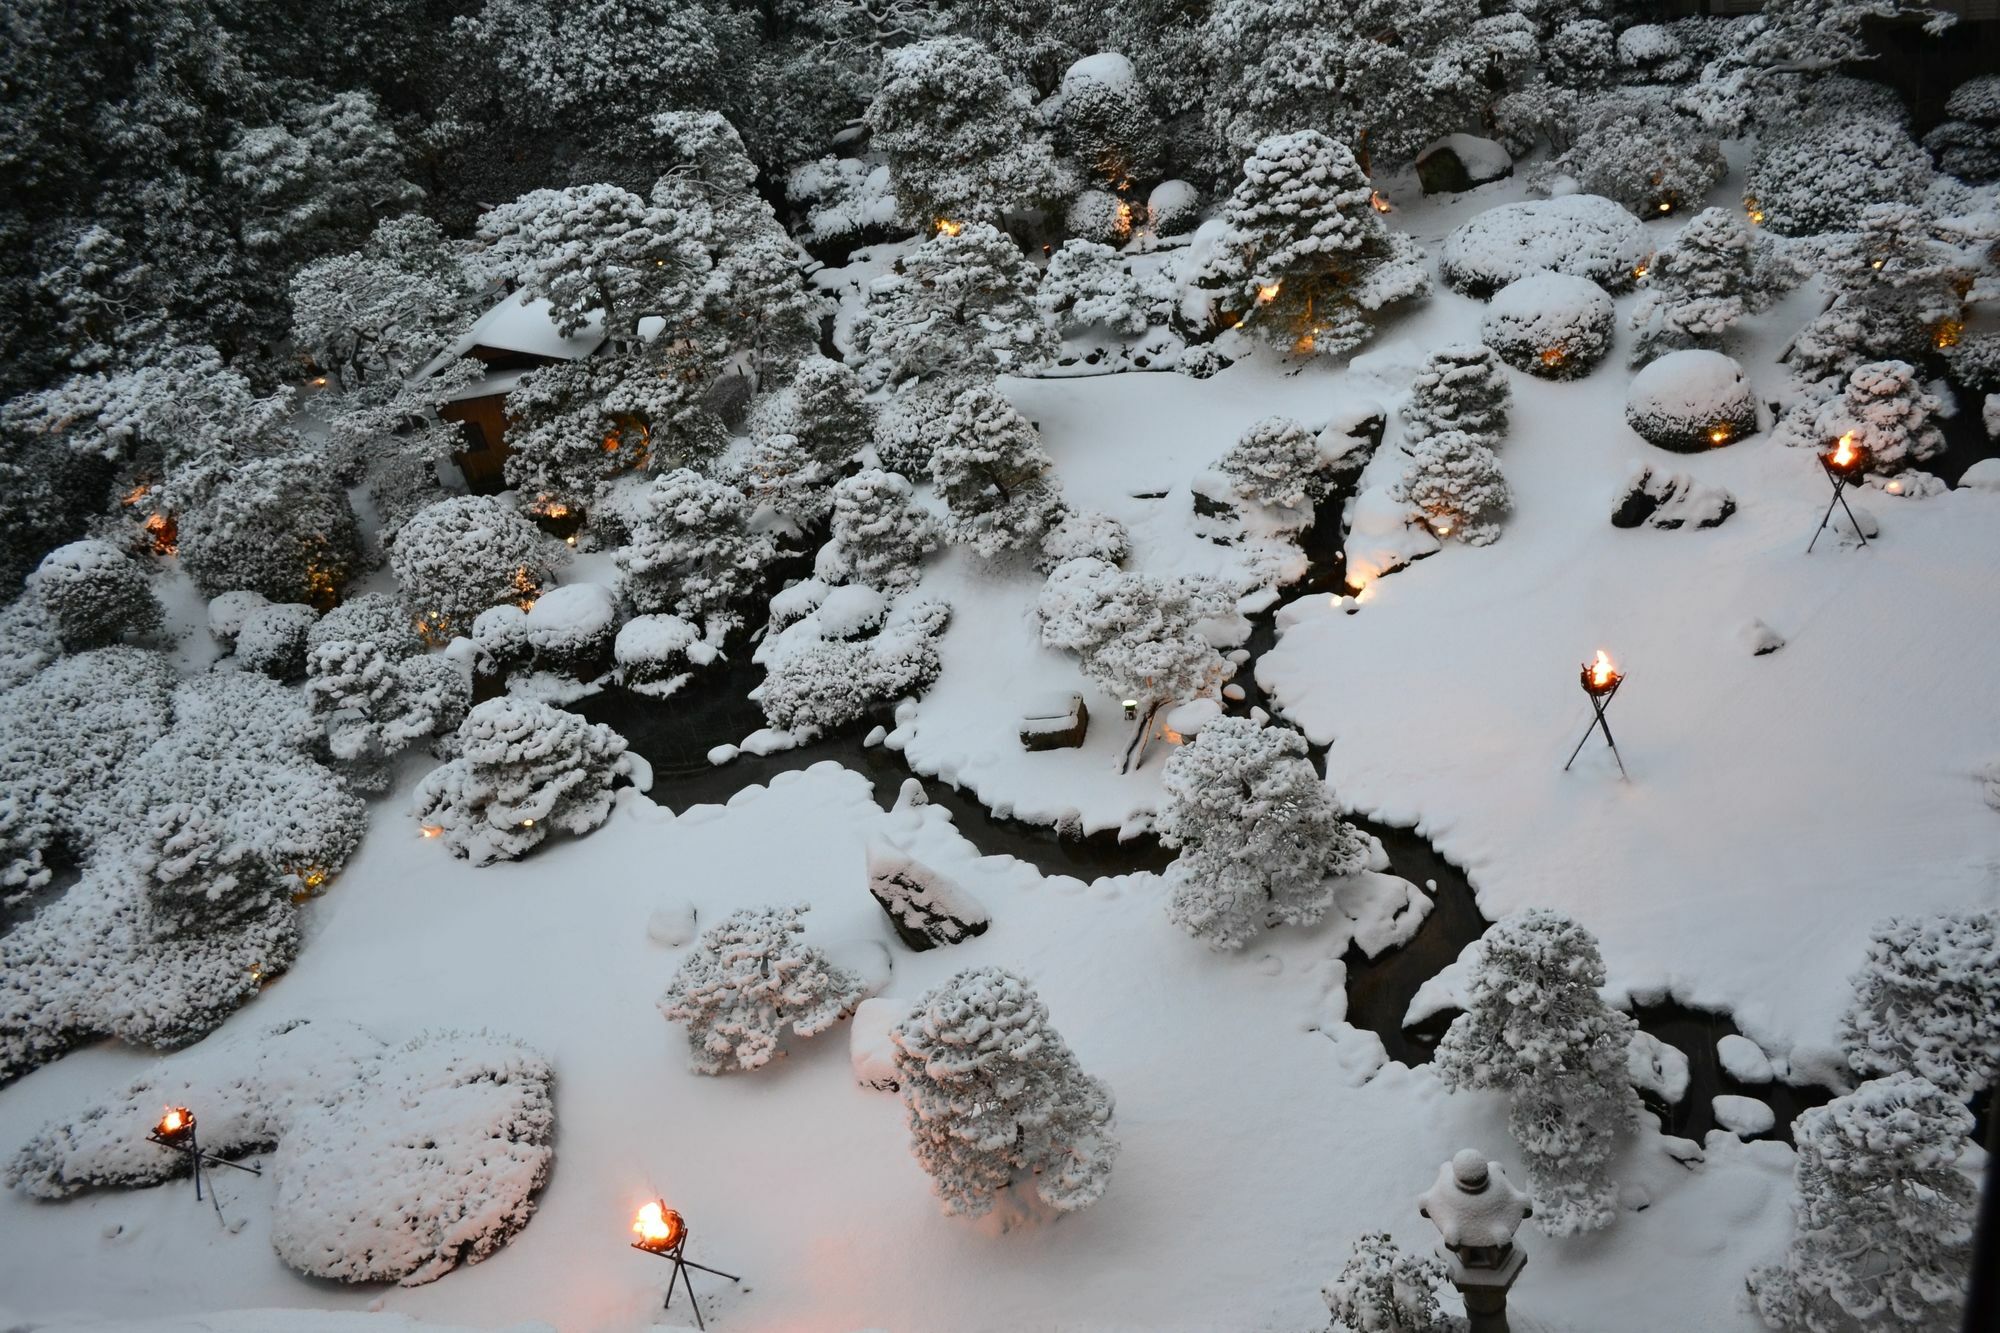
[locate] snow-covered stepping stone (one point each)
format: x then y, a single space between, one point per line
926 909
1742 1116
869 1046
1743 1060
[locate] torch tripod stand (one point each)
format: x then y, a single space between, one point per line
1839 498
677 1253
1598 703
197 1159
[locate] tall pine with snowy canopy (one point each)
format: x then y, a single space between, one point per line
1928 1001
1463 388
1454 481
751 977
960 307
993 475
994 1093
692 551
1884 1228
1303 256
1535 1027
1258 832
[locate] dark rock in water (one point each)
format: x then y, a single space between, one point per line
1459 162
1671 501
926 909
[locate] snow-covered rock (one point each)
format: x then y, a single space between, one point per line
1743 1060
671 923
1461 162
1584 235
1743 1116
1671 500
1985 474
869 1047
1658 1068
926 909
1760 638
1691 401
1549 324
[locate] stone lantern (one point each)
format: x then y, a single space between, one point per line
1477 1211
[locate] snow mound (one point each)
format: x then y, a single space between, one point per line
1983 475
432 1160
1760 638
1690 401
1549 324
1743 1116
1743 1060
1172 208
1658 1068
1582 235
869 1045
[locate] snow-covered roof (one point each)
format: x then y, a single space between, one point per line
519 324
500 381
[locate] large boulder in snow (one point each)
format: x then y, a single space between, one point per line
1460 162
1549 324
432 1160
1691 401
1671 501
1583 235
926 909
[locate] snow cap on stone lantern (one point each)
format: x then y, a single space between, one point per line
1476 1209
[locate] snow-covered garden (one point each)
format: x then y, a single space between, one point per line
999 666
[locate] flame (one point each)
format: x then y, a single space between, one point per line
175 1120
164 533
658 1227
1268 292
1845 453
947 227
1444 529
570 540
1602 673
1379 202
611 444
544 507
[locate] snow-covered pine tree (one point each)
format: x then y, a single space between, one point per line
1883 1237
1088 284
781 473
278 526
825 406
1885 408
523 769
994 1092
1698 287
1277 462
1382 1289
1896 288
961 305
960 136
1967 142
1258 832
993 475
1459 388
374 702
462 555
382 311
1536 1028
878 533
94 594
1105 123
1303 257
1455 480
692 551
1928 1000
1136 635
751 977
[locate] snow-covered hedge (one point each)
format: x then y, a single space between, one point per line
1550 324
459 556
272 639
656 654
1584 235
1690 401
523 769
275 525
1817 174
94 594
567 630
749 979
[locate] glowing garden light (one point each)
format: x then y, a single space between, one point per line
662 1232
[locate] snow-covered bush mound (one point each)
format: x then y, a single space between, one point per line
567 630
1550 324
1080 533
432 1160
94 594
523 768
1645 155
272 639
1816 175
459 556
877 534
244 1090
1277 462
1099 216
1690 401
656 654
1967 144
828 667
1584 235
1173 207
1463 388
1455 482
750 978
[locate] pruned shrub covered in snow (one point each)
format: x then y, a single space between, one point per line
750 978
960 306
1277 462
272 639
1967 142
911 425
878 534
523 769
1302 255
1098 216
1645 155
654 654
1461 388
1091 285
1897 290
1173 207
1456 482
993 475
1697 288
692 551
567 630
1582 235
1884 1228
374 702
1536 1028
994 1093
278 526
94 594
1382 1289
1084 533
459 556
819 676
373 617
1549 324
1928 1001
1259 834
1814 174
1104 120
1690 401
1885 408
431 1160
824 407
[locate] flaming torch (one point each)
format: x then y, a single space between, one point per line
1843 462
664 1233
175 1130
1600 678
